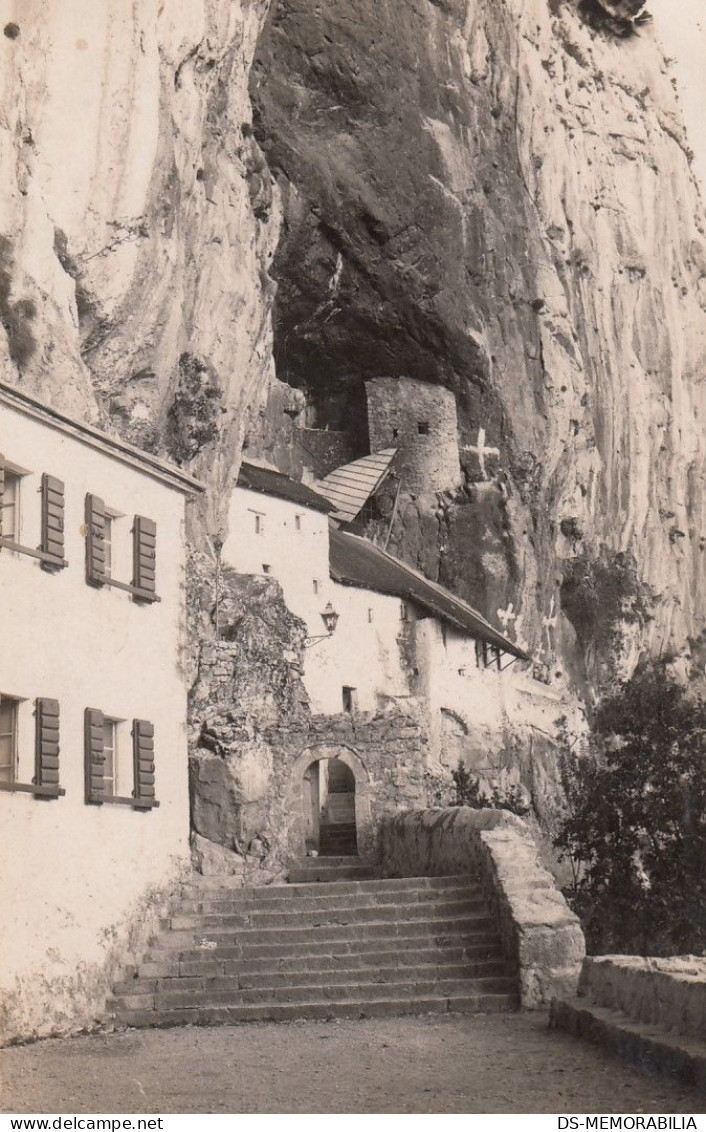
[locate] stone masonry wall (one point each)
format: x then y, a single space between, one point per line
667 993
539 931
252 737
322 449
425 462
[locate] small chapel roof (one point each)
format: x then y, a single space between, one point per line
268 481
349 488
357 562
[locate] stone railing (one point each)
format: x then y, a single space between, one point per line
667 993
539 931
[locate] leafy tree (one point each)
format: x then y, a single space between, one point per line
469 793
635 829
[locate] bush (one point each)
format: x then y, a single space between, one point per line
635 828
468 793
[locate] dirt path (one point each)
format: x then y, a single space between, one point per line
476 1064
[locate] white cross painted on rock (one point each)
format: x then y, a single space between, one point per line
505 616
549 623
481 450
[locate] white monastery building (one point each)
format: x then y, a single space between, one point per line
93 758
396 634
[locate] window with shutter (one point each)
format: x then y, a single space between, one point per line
144 543
100 551
143 753
51 549
95 540
13 761
46 773
52 523
94 737
107 774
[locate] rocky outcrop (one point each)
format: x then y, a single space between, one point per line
138 222
496 197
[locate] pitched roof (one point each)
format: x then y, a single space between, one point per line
348 488
268 481
92 437
357 562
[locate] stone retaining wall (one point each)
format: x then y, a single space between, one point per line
538 929
667 993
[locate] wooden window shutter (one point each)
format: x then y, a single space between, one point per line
2 488
94 757
143 754
46 767
144 557
52 522
95 540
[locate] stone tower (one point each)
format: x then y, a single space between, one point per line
420 420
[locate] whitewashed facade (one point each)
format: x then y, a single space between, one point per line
93 758
384 647
290 541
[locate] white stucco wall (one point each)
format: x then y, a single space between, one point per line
364 652
76 876
487 701
450 679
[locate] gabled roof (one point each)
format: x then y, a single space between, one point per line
268 481
357 562
348 488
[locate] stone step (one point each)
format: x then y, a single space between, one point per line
317 946
227 993
207 1015
322 898
231 976
199 964
324 873
640 1043
254 917
244 937
197 887
354 948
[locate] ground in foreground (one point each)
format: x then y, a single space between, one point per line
459 1063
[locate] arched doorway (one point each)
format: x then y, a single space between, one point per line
303 786
328 799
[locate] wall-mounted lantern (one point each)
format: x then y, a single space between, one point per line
330 620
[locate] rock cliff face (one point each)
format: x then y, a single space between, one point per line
496 197
490 195
138 220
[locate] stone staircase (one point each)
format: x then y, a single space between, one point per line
349 948
338 840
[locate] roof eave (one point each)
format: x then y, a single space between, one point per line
93 437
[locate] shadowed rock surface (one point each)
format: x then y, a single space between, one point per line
475 196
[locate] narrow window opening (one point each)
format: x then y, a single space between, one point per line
423 428
297 522
11 506
259 521
8 738
370 617
108 543
404 611
395 433
109 523
350 699
266 568
315 585
110 754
